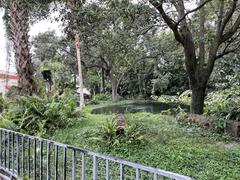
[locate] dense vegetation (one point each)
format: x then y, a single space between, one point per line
180 145
131 51
159 141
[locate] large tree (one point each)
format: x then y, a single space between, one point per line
74 22
111 32
212 42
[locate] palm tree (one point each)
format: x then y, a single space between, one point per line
19 28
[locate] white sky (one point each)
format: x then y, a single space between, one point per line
39 27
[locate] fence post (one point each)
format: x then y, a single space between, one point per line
73 164
48 161
83 166
64 163
95 168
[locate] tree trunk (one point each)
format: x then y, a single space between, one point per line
114 83
82 103
102 90
114 90
198 96
74 6
19 29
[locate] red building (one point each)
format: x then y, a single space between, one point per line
7 80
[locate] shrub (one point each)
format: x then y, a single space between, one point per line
36 115
103 97
181 116
223 106
13 92
6 124
185 97
168 99
94 102
133 134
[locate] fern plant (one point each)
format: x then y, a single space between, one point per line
36 115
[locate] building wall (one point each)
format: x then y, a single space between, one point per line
7 80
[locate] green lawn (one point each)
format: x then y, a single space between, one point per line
189 151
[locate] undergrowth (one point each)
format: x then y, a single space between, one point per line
37 116
167 145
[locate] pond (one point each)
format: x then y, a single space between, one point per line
152 107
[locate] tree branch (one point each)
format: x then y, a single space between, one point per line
170 22
232 30
191 11
225 52
202 36
229 15
146 29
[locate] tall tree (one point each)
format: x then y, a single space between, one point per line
200 55
19 25
111 31
74 6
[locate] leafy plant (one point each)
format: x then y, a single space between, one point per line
36 115
6 124
223 106
94 102
103 97
133 133
168 99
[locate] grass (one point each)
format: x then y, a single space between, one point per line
186 150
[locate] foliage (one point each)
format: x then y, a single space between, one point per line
12 92
36 115
103 97
169 75
55 54
223 106
133 133
198 39
186 150
6 124
184 98
93 102
168 99
226 73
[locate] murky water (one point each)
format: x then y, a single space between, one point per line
152 107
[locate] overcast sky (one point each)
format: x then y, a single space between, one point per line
41 26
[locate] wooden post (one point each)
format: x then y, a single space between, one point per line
77 41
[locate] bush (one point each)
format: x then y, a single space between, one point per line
6 124
133 134
223 106
94 102
184 98
36 115
13 92
168 99
103 97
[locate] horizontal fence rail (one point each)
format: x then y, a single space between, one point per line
28 157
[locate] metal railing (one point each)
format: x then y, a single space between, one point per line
27 157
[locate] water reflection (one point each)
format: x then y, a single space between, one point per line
152 107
